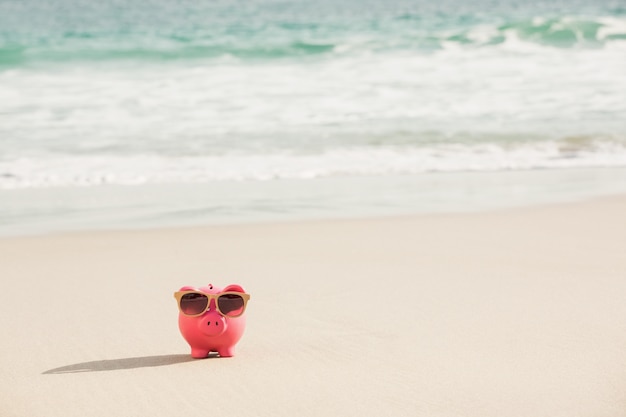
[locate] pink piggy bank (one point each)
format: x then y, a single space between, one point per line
211 319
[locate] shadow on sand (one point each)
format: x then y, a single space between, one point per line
124 363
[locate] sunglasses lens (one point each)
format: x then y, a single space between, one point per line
231 304
193 303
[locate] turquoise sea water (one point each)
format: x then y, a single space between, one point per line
233 109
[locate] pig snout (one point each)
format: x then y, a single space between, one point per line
212 324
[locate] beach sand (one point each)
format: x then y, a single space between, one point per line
517 312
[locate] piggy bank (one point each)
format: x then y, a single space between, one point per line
212 319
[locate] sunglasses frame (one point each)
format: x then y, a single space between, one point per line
180 294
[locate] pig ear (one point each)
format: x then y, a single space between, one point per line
234 287
187 288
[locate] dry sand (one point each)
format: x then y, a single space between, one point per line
510 313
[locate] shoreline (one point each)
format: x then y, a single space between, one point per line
609 199
44 211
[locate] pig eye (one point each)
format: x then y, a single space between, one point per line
194 303
231 305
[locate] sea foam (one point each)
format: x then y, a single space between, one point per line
68 171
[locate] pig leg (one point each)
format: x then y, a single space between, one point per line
226 352
199 353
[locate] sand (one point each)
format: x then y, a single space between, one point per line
519 312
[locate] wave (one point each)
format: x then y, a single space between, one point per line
92 170
568 32
20 55
281 40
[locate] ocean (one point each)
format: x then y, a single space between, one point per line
117 114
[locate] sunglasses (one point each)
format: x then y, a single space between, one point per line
194 303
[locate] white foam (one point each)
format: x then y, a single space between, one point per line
490 89
611 26
57 171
